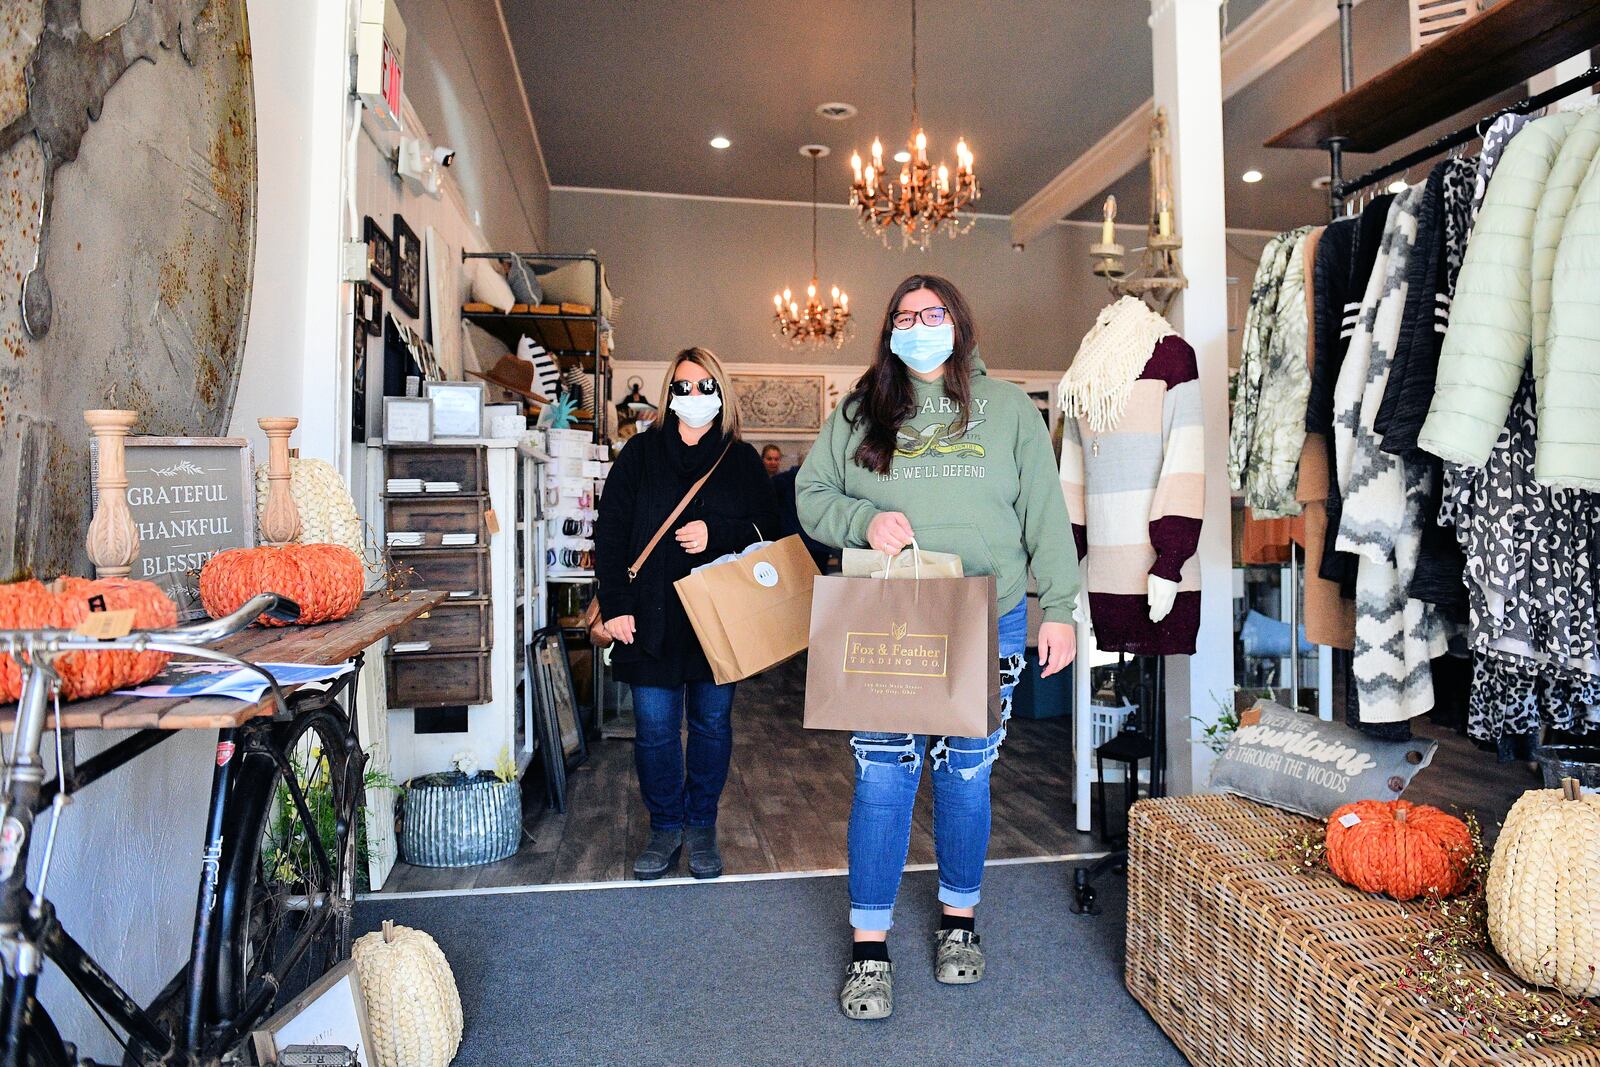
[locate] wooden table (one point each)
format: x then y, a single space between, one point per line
334 642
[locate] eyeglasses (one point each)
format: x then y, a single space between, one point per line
934 316
708 387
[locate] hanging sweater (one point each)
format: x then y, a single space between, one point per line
1136 495
987 494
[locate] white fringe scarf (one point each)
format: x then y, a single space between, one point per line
1110 359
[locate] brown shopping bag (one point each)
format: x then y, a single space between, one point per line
916 657
751 612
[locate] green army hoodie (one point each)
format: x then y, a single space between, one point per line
991 495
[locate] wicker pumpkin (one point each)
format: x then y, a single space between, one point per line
1544 890
325 580
413 1008
327 512
1397 848
63 604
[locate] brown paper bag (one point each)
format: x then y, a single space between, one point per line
753 612
913 563
918 657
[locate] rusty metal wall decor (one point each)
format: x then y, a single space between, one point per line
127 240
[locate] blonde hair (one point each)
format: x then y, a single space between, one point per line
707 361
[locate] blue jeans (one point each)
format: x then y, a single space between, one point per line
888 771
676 799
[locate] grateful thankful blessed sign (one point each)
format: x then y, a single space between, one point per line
191 497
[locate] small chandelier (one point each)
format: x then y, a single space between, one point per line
814 323
926 198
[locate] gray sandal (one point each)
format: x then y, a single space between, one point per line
959 960
868 990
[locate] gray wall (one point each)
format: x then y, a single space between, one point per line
703 271
460 78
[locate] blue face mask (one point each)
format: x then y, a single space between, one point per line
924 348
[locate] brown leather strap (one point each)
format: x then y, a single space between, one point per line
633 571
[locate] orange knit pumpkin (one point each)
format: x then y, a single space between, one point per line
325 580
62 605
1398 848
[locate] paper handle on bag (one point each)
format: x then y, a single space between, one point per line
916 561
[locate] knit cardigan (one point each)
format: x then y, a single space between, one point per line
1396 636
1136 495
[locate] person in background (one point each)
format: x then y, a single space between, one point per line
928 446
656 650
783 486
772 459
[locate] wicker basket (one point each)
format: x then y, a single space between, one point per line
1244 961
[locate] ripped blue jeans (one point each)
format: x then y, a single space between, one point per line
888 772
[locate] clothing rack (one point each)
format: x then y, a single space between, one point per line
1341 190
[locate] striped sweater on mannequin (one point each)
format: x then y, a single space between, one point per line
1133 472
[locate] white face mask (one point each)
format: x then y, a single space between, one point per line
697 409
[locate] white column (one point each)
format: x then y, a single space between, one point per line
1187 52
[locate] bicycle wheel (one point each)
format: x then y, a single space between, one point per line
285 907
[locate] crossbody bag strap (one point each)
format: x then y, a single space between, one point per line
633 571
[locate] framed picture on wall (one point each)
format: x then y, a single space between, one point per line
380 252
358 378
407 286
780 403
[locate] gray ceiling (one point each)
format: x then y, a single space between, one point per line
626 94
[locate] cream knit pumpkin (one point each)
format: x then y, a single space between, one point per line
413 1008
1544 891
327 512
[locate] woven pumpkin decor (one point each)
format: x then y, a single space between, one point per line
325 580
413 1008
1544 890
62 605
1397 848
327 512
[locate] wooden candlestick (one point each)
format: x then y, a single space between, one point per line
113 539
280 519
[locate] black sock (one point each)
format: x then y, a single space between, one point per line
958 922
869 950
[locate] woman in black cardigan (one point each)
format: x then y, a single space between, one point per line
656 650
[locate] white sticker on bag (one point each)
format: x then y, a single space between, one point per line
765 574
1349 819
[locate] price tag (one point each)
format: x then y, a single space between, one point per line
1249 717
105 625
492 521
1349 819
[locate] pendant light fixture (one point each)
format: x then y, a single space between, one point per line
926 198
814 323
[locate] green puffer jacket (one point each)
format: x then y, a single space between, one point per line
1569 398
1492 318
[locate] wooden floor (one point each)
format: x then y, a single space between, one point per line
786 806
787 802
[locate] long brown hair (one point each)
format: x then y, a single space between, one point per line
707 360
884 396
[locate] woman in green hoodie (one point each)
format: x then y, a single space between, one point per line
927 445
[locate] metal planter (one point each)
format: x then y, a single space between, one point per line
460 824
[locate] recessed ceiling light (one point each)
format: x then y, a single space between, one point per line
1397 186
836 110
720 141
902 156
1251 176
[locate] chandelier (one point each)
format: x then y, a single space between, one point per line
814 323
926 198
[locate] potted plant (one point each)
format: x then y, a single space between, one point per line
462 817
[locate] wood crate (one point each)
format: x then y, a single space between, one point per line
1246 962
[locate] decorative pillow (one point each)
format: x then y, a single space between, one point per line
524 283
546 375
1302 764
580 384
574 284
490 287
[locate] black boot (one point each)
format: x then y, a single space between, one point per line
704 859
659 856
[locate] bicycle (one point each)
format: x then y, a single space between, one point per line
277 868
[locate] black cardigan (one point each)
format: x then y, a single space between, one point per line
644 486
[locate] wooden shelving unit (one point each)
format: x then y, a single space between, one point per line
1489 53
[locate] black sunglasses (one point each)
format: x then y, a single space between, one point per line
681 387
